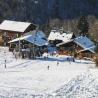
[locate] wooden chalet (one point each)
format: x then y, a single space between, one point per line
86 47
81 47
68 44
30 44
13 29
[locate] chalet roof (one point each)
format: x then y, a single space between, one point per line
38 39
16 26
85 43
62 43
56 35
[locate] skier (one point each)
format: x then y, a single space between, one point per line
5 64
48 67
57 63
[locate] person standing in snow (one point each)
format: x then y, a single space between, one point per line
48 67
68 59
57 63
73 59
5 64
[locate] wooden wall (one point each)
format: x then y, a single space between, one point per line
73 49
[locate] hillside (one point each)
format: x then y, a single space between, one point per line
51 12
39 11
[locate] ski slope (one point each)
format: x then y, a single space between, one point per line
25 78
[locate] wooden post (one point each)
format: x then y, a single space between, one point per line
19 47
35 33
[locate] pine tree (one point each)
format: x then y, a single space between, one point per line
83 26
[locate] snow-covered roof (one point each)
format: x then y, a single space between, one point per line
56 35
39 33
85 43
20 38
62 43
14 26
38 38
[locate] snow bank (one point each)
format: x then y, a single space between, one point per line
83 86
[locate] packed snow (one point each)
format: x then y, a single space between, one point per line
24 78
83 86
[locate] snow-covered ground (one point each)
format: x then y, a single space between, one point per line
25 78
